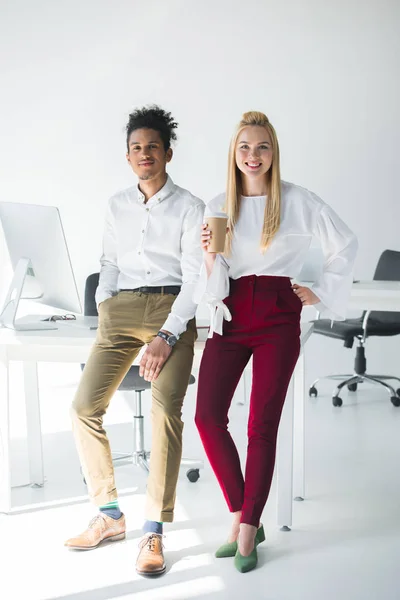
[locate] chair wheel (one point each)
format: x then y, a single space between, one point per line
395 400
336 401
194 474
352 387
313 392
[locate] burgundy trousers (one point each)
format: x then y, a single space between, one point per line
265 325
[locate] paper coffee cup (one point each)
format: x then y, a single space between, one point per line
217 223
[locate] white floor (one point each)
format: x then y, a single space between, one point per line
345 542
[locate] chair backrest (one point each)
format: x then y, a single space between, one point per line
387 269
90 308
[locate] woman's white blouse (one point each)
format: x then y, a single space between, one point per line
303 216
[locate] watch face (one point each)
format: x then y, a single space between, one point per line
172 340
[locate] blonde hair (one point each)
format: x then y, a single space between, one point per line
272 215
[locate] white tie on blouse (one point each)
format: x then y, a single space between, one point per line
303 216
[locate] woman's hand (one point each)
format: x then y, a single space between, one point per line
306 295
209 257
205 238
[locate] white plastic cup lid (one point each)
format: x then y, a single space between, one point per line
216 215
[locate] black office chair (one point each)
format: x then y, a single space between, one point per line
371 323
134 383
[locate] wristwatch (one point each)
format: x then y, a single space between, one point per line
170 339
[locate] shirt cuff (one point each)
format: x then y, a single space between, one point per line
215 285
174 325
100 297
328 312
218 312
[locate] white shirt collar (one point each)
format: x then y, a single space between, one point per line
161 195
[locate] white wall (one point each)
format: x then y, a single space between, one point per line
326 73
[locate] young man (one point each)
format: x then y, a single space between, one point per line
150 265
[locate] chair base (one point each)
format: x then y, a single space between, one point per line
359 376
352 381
141 457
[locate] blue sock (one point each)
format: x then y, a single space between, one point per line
111 510
114 513
153 527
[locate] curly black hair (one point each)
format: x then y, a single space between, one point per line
153 117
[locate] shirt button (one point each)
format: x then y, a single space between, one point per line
138 252
147 209
148 272
142 230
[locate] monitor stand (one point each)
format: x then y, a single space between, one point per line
9 313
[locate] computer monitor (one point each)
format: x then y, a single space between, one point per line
42 267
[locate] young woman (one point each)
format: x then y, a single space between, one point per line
270 227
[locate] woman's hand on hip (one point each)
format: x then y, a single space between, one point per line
307 296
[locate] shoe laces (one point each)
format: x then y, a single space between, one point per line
95 521
150 542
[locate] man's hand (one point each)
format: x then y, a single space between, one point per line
306 295
154 358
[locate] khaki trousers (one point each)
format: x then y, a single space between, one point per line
127 321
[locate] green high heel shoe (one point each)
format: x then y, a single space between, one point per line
229 549
244 564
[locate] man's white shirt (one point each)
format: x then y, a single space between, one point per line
153 243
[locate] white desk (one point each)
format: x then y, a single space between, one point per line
365 295
375 295
290 455
64 346
73 345
372 295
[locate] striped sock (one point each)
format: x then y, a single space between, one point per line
153 527
111 509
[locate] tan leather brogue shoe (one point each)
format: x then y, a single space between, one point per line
101 528
151 558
